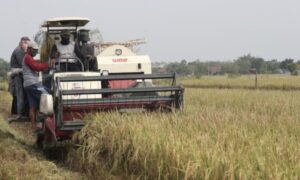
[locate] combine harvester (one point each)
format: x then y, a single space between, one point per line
114 79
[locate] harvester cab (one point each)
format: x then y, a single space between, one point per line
115 78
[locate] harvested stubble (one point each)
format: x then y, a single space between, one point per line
221 134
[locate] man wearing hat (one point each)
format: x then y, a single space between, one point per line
19 107
33 87
65 51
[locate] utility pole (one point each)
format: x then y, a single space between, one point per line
254 71
207 68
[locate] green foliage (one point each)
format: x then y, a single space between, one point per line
242 65
272 66
180 68
293 67
284 64
245 63
4 67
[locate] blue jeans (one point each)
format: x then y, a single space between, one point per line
34 93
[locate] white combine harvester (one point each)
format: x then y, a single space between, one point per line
114 79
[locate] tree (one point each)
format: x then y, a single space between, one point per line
244 64
230 68
284 64
180 68
247 62
4 67
272 66
293 68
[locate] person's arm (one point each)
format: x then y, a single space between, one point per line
54 52
13 60
34 65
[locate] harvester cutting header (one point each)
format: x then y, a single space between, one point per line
91 77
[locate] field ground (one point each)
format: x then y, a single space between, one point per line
221 134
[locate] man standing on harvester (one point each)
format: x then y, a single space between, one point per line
33 87
65 52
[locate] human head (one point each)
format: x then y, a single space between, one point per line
24 42
65 37
32 48
84 35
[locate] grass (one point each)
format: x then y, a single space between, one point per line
275 82
3 86
19 159
222 134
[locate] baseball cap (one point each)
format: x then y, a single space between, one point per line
33 45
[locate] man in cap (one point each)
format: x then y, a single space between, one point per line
33 87
19 107
65 52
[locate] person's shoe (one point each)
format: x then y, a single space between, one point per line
17 118
13 118
37 131
24 118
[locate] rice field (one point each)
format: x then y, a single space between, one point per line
273 82
221 134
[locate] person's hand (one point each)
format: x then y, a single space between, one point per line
57 54
88 57
53 61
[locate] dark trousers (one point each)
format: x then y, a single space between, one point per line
19 104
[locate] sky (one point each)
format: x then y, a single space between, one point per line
207 30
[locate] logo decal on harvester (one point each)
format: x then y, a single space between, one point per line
120 60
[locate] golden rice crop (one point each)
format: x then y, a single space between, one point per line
280 82
46 48
221 134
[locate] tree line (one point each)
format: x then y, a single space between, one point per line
246 64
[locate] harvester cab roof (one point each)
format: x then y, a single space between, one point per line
56 25
66 22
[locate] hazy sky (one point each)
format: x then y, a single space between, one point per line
175 30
